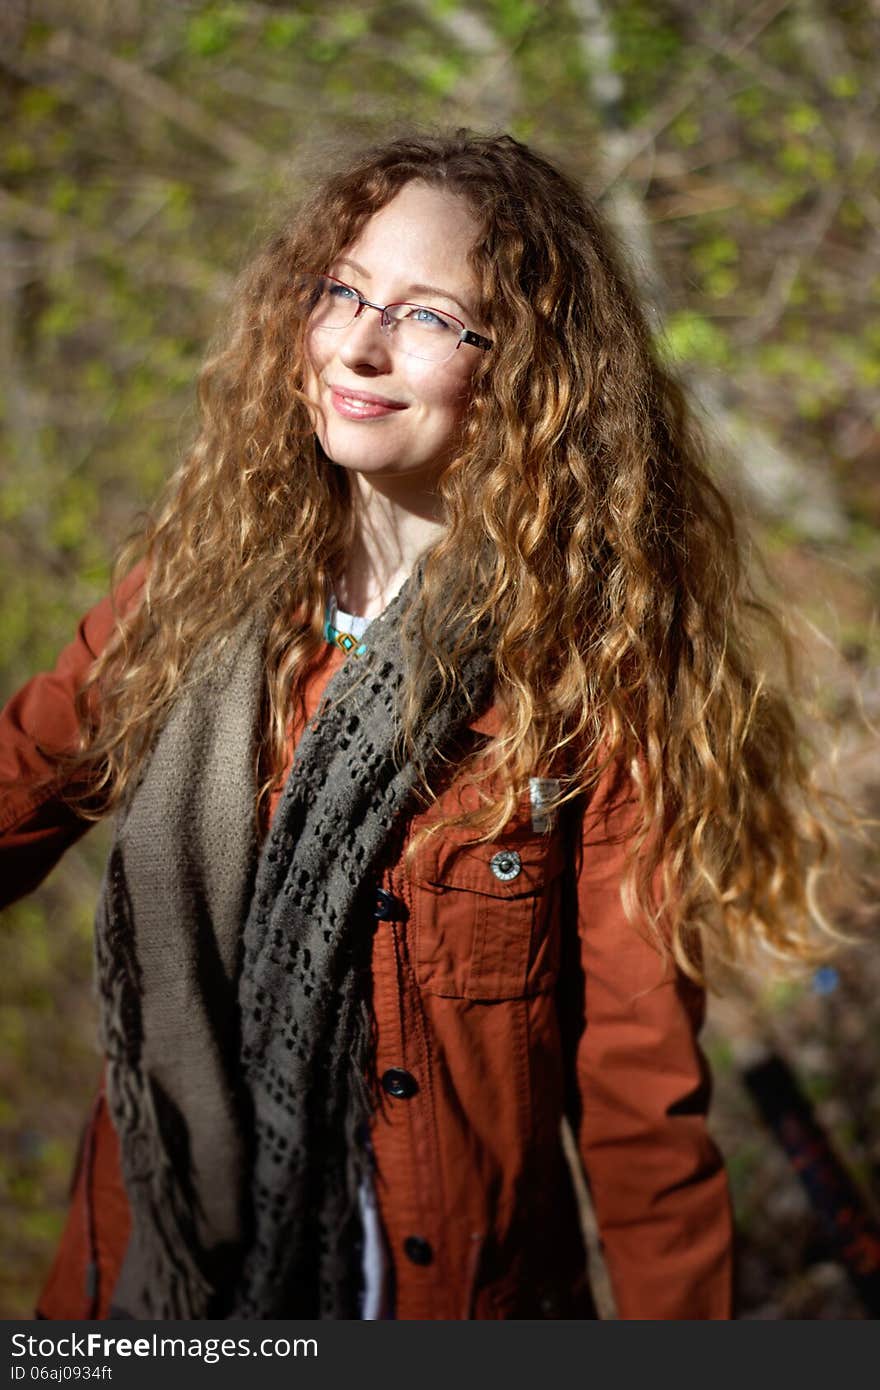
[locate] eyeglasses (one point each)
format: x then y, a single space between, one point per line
430 334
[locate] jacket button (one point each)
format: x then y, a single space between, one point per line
418 1250
399 1083
388 908
506 864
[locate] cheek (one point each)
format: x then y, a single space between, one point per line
318 349
312 366
448 393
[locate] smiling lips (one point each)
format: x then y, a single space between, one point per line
362 405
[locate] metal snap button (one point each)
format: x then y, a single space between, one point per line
506 864
419 1250
399 1083
388 908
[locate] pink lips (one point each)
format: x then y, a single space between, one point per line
362 405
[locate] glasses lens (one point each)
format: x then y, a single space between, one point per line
423 332
326 303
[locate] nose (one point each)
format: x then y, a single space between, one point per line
363 345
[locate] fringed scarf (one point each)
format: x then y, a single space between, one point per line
234 984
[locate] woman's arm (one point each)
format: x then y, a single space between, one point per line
36 826
656 1177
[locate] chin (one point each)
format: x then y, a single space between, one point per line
357 460
360 458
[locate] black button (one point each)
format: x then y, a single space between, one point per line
400 1083
418 1250
388 908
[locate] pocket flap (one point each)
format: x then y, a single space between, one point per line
519 865
482 936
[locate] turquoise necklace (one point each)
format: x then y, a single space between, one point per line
344 630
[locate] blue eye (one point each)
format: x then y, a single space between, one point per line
428 317
340 292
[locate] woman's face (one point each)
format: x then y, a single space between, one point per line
386 415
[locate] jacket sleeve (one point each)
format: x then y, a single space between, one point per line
657 1179
36 825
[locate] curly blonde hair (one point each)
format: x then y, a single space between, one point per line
581 519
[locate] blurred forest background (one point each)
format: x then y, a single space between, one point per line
735 146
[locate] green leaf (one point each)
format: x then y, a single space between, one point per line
351 25
323 50
720 283
19 157
283 30
750 102
716 252
210 33
443 75
61 318
78 503
14 499
802 119
691 337
686 129
63 193
36 103
851 214
795 157
513 17
844 85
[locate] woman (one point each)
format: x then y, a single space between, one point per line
446 534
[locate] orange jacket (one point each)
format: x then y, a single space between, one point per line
502 1004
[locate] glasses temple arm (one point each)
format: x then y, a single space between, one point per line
475 340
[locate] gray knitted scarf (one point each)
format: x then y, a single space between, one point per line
234 985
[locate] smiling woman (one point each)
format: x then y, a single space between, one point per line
441 759
390 397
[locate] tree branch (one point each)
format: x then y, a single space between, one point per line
645 133
154 92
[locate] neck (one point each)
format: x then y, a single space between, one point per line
390 536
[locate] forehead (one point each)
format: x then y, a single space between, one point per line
424 234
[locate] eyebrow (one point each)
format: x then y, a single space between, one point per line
413 289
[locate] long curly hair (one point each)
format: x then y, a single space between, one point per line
582 521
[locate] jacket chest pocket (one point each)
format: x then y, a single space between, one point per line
487 916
